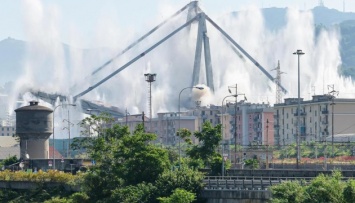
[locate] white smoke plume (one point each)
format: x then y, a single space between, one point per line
47 68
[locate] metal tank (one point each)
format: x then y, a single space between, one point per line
34 125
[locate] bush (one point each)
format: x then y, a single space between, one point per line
179 196
349 191
288 192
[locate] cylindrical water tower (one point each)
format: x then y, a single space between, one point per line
34 125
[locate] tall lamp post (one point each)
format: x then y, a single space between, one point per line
222 129
199 88
235 118
298 53
53 130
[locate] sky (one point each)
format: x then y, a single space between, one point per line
82 16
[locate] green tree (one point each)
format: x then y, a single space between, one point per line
141 192
252 163
326 188
288 192
185 135
209 138
179 196
349 191
123 160
184 178
10 160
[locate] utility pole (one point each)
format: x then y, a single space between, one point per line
278 82
143 120
267 143
68 128
332 94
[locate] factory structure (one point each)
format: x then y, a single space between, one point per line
34 124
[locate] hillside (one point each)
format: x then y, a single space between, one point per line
347 50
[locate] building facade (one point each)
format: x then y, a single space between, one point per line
320 118
251 124
6 130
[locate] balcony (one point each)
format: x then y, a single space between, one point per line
325 111
276 116
301 113
276 126
325 122
296 124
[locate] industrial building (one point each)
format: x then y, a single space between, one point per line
322 118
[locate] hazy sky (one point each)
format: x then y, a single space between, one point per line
83 14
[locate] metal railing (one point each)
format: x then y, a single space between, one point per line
249 182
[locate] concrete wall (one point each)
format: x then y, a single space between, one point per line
232 196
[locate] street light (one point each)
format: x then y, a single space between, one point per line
53 130
199 88
235 118
222 117
298 53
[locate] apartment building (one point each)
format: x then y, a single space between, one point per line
6 130
320 118
250 123
253 123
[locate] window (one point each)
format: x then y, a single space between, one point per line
310 119
287 126
211 114
315 113
203 113
286 115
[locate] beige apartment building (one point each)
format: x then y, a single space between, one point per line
320 118
253 123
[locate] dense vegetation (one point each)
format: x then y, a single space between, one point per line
129 167
321 189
